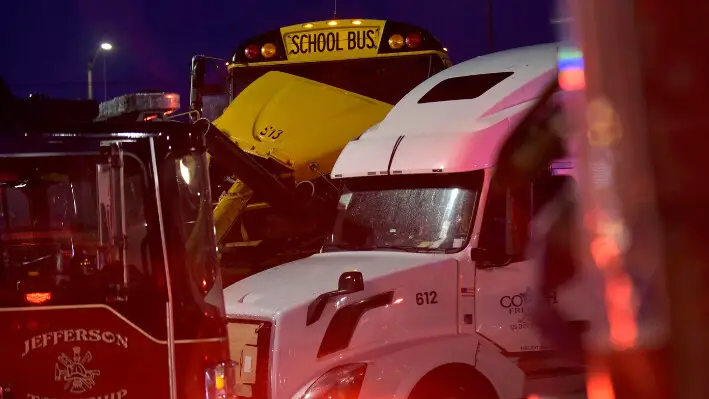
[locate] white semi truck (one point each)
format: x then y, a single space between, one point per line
423 288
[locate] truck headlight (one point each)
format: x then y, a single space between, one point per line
220 381
341 382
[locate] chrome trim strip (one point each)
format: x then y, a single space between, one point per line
170 319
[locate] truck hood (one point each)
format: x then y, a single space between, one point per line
297 283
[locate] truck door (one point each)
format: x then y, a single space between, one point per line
504 289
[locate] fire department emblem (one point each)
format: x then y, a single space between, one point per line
78 378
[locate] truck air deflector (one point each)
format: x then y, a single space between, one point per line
449 153
344 322
377 153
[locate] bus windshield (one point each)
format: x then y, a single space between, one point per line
414 213
386 79
57 238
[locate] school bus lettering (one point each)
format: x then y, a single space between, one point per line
316 43
361 40
328 42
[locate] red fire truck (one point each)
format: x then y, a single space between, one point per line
109 284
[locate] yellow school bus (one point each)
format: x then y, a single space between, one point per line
378 59
294 97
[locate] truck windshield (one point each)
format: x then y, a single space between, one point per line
385 79
414 213
57 240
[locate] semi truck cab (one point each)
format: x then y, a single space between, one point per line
424 286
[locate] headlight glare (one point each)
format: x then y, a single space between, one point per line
341 382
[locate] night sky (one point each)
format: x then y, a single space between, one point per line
46 43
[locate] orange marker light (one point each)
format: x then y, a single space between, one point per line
396 41
37 298
268 50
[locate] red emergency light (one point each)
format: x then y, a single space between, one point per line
38 298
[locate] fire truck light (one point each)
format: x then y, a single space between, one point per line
144 103
38 297
570 64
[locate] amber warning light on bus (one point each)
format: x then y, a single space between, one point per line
397 41
352 37
268 50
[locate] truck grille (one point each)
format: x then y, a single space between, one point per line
249 343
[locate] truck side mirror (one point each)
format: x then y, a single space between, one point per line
348 283
197 82
486 259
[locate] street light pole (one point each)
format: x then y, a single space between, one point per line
490 28
92 61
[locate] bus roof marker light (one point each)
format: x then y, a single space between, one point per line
332 23
396 41
357 22
307 26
